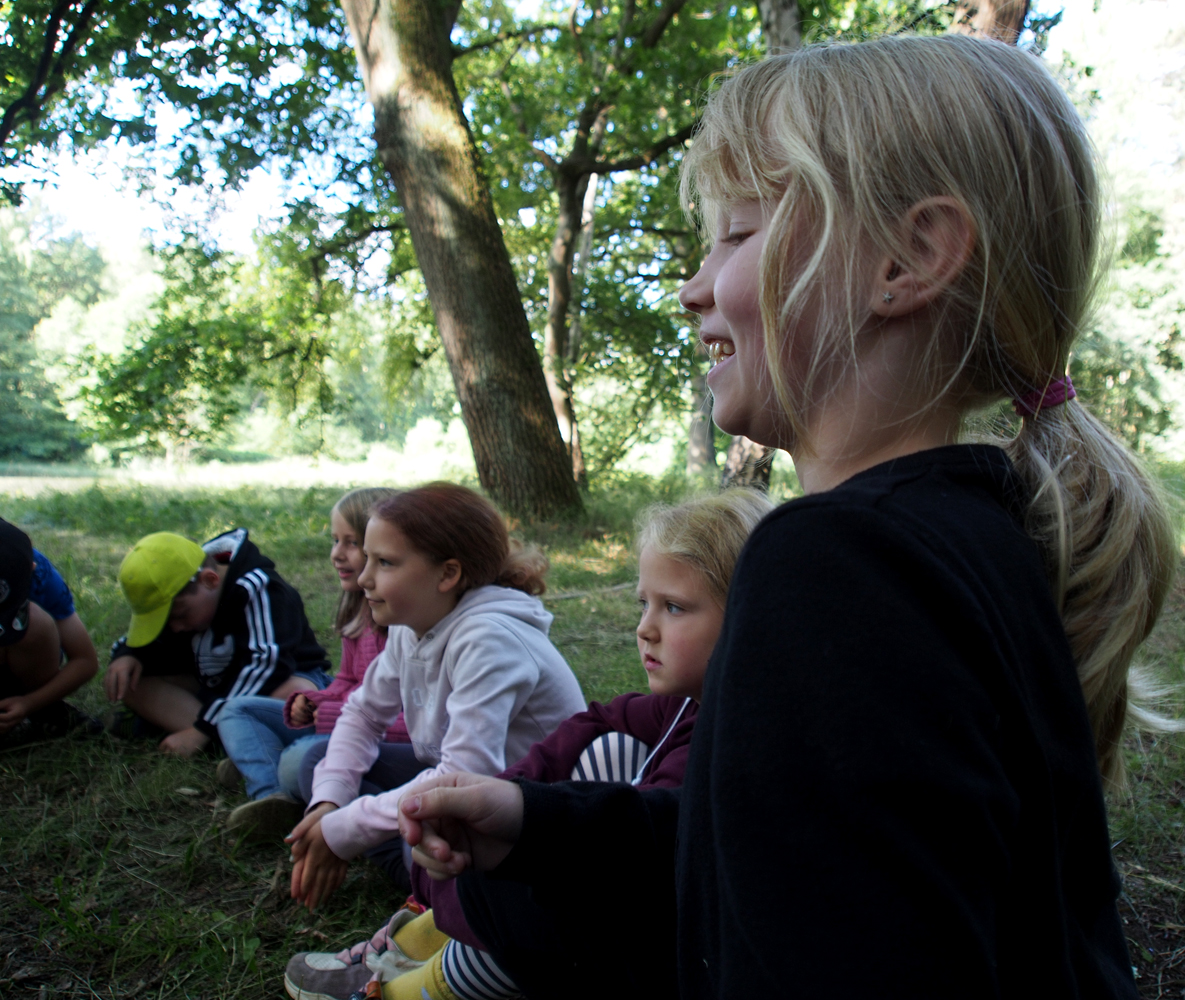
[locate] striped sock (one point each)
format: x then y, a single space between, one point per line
474 975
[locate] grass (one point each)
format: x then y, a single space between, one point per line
117 881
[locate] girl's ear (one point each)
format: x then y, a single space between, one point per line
941 235
209 578
450 576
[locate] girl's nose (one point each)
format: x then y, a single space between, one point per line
696 295
646 629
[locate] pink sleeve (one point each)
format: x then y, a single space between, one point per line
336 691
357 656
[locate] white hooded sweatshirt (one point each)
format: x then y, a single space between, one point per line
481 686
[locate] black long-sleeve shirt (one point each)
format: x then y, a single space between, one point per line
892 789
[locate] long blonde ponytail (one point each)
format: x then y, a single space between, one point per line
1103 527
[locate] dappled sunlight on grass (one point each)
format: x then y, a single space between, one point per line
609 560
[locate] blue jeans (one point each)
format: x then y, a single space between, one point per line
253 733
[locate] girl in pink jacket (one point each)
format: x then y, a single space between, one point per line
268 740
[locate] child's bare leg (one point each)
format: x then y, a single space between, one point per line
34 667
29 665
172 704
168 702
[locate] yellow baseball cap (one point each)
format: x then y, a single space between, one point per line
151 575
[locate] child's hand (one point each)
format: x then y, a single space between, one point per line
317 872
121 677
458 821
304 712
12 711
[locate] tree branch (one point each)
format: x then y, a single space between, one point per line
526 31
666 14
335 246
647 157
28 100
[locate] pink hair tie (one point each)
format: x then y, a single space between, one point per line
1054 394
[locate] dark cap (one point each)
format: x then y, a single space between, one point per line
16 573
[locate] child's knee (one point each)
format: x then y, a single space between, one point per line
292 685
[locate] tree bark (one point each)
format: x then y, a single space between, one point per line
1002 20
571 188
747 464
781 24
701 438
405 56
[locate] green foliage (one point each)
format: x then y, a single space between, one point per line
180 378
35 276
1121 387
253 80
291 330
1123 362
600 89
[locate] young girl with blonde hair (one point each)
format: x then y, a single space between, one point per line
922 682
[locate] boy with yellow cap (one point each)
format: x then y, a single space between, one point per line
209 623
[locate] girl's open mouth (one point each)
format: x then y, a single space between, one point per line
719 350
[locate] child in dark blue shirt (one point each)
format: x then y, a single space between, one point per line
40 628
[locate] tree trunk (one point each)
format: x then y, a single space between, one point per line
701 438
747 464
571 187
584 248
781 24
1002 20
405 56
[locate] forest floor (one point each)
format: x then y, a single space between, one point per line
116 879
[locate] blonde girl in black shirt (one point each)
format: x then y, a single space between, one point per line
924 676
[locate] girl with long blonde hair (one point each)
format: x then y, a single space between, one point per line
924 674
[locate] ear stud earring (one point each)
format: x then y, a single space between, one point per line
887 296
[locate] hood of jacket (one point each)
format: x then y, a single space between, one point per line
234 549
480 602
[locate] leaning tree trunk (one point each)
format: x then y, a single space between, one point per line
571 187
404 54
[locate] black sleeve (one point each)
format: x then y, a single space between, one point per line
169 654
847 810
598 859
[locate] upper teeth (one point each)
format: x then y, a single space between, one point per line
718 350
